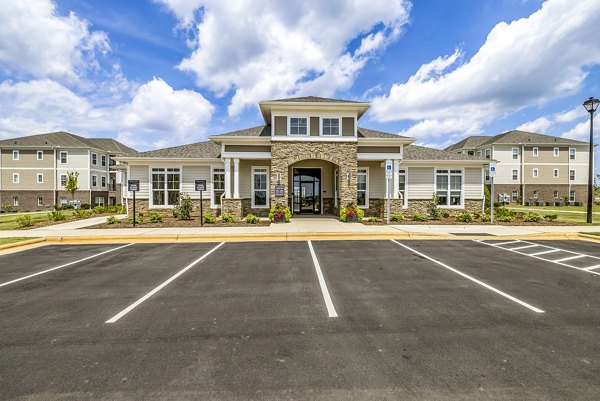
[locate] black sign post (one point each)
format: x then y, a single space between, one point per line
201 187
133 186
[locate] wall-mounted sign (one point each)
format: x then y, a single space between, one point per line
133 185
200 185
279 190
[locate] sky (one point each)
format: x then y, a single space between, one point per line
159 73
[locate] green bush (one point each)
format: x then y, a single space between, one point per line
86 206
351 210
374 219
183 208
532 217
227 218
486 218
112 220
419 217
434 211
476 215
7 208
82 214
396 217
209 218
465 217
445 214
280 211
56 215
24 221
505 218
99 210
138 220
252 219
155 217
550 217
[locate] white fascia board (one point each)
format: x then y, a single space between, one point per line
246 155
378 156
246 140
308 138
150 160
385 141
446 162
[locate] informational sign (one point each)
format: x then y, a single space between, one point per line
279 190
133 185
200 185
492 169
389 168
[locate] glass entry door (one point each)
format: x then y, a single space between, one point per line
307 191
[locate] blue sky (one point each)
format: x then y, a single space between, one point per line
166 72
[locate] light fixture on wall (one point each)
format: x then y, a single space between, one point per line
279 178
349 176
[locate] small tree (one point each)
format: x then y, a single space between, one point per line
434 212
71 184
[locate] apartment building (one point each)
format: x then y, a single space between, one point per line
34 170
532 169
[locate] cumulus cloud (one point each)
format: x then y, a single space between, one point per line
35 40
263 49
523 63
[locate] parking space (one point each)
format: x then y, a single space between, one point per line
309 320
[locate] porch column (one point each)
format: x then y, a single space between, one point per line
396 179
236 178
227 177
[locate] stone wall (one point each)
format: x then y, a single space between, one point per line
232 207
247 209
421 206
142 206
28 200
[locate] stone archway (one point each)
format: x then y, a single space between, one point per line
286 153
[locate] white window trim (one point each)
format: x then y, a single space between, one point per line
38 153
555 173
556 152
94 162
535 194
514 195
512 175
289 126
253 205
15 178
535 151
536 173
572 195
556 194
330 118
60 178
213 205
38 175
574 175
66 157
462 187
405 200
94 180
366 206
15 200
151 205
513 154
486 154
40 201
103 181
103 160
574 153
99 203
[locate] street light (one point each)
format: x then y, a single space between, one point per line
591 105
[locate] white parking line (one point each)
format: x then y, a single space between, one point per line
506 243
591 268
160 287
65 265
328 302
481 283
524 247
545 252
570 258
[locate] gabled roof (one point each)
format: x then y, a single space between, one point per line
261 130
112 146
369 133
312 99
415 152
514 137
198 150
470 142
63 139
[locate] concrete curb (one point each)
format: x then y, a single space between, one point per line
589 237
22 243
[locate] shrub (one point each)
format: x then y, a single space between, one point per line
99 209
56 215
278 211
505 218
419 217
227 218
209 218
351 210
82 214
183 208
374 219
7 208
154 217
445 214
465 217
551 217
112 220
396 217
532 217
24 221
434 211
138 220
252 219
476 215
486 218
86 206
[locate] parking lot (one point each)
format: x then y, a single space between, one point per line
390 319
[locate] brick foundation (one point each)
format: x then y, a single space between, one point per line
28 200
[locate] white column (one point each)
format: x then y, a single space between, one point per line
396 180
236 178
227 178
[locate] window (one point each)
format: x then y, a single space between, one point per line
402 185
15 155
571 196
362 187
535 194
260 187
63 200
15 178
479 153
571 175
555 173
103 160
488 153
94 159
556 152
40 155
298 126
15 201
572 153
165 186
94 180
536 173
555 194
40 201
515 196
64 157
486 173
103 181
63 180
515 153
218 186
536 151
448 185
99 201
40 178
515 175
470 153
331 126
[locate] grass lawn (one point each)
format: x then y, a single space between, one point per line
8 221
4 241
558 208
564 213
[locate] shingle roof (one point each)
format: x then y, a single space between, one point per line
261 130
369 133
113 146
310 99
67 140
514 137
198 150
415 152
469 142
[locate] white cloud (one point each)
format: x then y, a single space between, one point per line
581 131
156 115
262 49
34 39
523 63
539 125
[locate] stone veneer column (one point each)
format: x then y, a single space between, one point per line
236 178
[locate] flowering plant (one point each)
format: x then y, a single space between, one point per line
350 213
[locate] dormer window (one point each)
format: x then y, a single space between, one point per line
331 126
298 126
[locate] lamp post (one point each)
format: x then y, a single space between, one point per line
591 105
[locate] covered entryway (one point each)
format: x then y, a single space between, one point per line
306 192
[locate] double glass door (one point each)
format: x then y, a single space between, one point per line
307 191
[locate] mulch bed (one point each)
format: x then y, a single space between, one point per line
169 222
452 221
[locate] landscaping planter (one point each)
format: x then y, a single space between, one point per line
279 219
351 219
